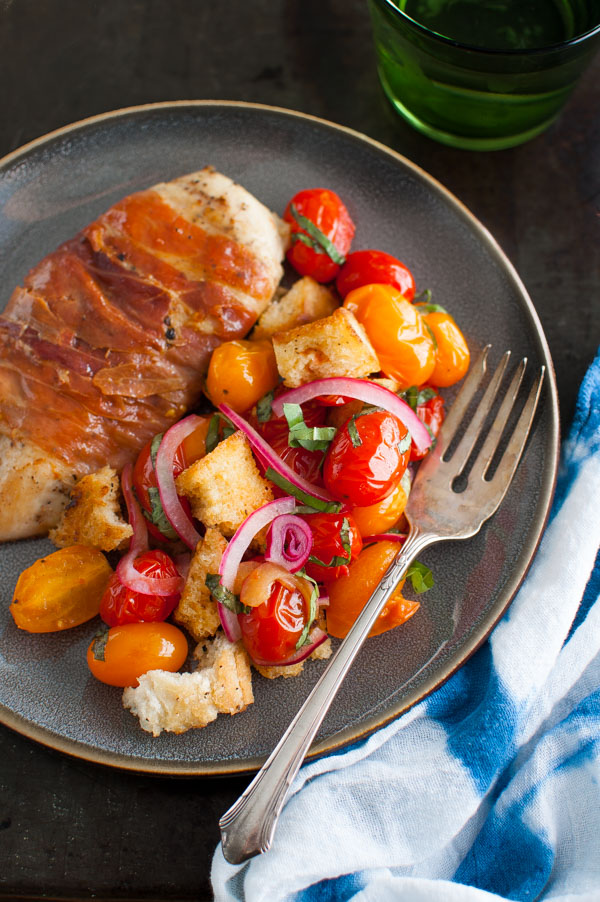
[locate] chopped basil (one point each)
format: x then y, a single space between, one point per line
324 245
99 643
264 407
415 396
315 438
405 443
317 504
155 446
215 434
420 576
158 517
353 433
224 596
312 610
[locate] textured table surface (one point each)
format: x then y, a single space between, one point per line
73 830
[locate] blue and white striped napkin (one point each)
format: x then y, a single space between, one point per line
490 788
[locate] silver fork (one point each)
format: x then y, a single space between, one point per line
249 826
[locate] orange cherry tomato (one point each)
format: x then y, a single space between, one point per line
349 594
380 517
452 354
397 332
60 590
122 654
240 372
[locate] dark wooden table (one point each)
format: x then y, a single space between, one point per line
73 830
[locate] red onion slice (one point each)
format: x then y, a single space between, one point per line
174 512
316 637
126 572
235 551
269 458
360 390
385 537
289 542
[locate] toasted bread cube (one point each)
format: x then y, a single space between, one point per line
225 486
305 302
334 346
93 514
176 702
197 611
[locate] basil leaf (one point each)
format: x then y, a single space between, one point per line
420 576
264 407
312 610
346 538
405 443
353 433
317 235
215 434
99 643
414 396
155 446
224 596
317 504
425 395
313 438
158 517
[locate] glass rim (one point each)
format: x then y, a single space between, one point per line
531 51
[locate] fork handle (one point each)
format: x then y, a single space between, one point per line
248 827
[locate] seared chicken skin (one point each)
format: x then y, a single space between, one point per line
108 340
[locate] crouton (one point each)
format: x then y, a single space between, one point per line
176 702
334 346
197 611
305 302
291 670
93 514
225 486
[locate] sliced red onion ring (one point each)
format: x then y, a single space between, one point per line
289 542
385 537
361 390
165 480
315 638
269 458
126 572
235 551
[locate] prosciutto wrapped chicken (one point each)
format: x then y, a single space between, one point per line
107 341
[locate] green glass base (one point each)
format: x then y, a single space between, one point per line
464 142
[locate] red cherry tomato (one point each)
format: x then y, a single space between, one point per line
122 605
144 477
432 413
272 629
367 458
304 462
326 212
330 533
374 267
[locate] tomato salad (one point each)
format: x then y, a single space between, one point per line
337 451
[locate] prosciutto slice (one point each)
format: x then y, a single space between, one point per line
107 341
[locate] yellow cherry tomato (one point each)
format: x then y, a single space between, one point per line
397 332
241 372
452 354
349 594
121 654
380 517
60 590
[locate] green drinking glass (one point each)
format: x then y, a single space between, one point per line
482 74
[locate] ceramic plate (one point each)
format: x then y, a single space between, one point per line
53 187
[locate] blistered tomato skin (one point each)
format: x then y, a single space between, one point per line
121 605
366 459
329 532
452 356
240 372
396 330
371 267
349 594
328 213
432 413
272 629
379 517
126 652
61 590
